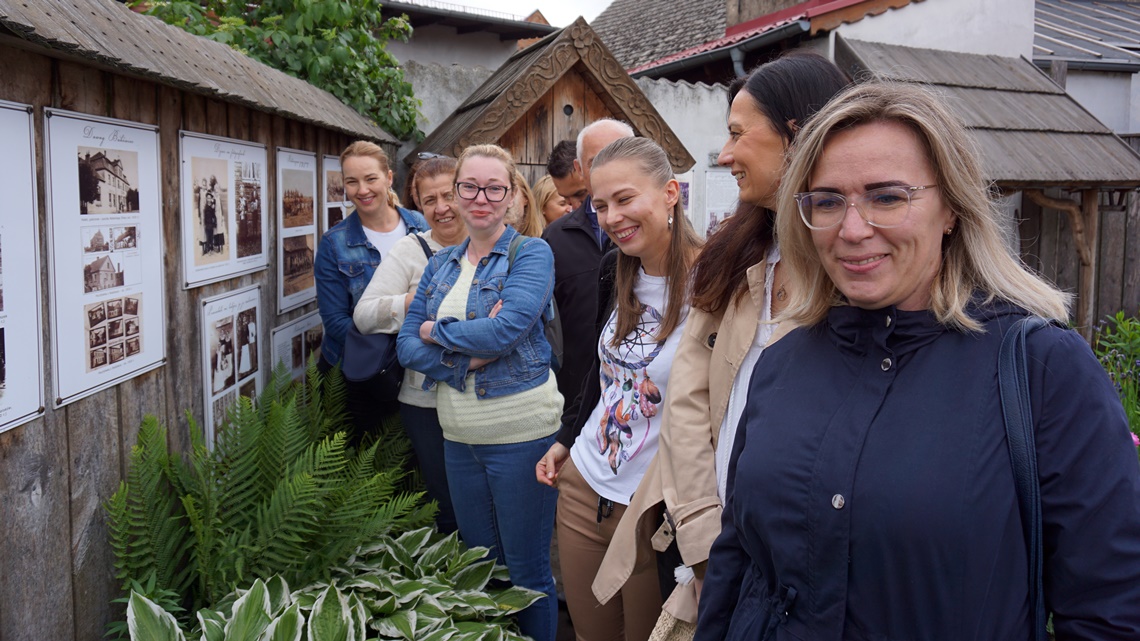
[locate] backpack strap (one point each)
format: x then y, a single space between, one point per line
1013 388
423 243
513 250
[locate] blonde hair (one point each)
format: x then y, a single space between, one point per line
530 221
974 257
367 149
684 243
544 192
489 151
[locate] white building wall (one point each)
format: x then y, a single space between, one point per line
997 27
1108 96
696 113
443 45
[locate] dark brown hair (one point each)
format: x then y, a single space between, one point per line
423 170
684 243
789 89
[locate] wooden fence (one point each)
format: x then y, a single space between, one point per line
56 574
1047 245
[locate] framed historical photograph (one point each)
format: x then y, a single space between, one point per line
296 228
229 351
294 341
104 219
224 226
21 333
334 204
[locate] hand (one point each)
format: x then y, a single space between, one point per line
477 362
408 298
548 467
496 309
425 332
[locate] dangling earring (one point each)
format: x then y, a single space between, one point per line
670 222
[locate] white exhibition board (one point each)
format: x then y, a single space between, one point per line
296 228
21 335
334 206
105 252
225 229
295 341
230 367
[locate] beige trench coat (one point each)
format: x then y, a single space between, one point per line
683 473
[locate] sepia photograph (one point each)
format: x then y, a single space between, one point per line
209 177
132 326
114 308
115 329
116 351
222 406
108 181
134 346
334 186
297 259
132 305
297 204
247 342
248 179
248 389
98 358
94 239
335 215
102 273
123 238
96 314
313 342
222 371
97 337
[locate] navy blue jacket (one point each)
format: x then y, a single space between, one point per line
871 494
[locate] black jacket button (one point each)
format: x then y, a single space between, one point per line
712 339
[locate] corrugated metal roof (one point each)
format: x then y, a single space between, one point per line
110 34
1029 131
1092 34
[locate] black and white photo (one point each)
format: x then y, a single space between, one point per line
96 314
210 188
229 347
249 185
116 351
297 259
97 336
115 329
97 358
131 304
247 341
108 181
133 346
114 308
297 201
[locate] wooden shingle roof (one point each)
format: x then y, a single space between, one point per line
109 35
528 75
1031 134
641 31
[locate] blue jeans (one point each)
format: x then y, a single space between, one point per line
499 505
421 424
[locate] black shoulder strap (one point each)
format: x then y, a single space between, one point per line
423 243
1013 387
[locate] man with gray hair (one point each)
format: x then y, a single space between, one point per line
579 243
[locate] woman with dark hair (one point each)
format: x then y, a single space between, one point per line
737 288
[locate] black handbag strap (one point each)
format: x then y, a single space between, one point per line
1013 387
423 243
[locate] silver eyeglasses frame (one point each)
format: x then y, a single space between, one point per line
859 202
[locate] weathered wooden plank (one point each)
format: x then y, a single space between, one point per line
81 89
539 132
1110 279
1029 231
1130 290
35 559
1068 259
238 122
217 118
567 92
595 108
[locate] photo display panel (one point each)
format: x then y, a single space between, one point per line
230 367
335 205
224 195
21 329
295 341
106 261
296 228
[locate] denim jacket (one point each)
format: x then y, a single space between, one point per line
515 337
345 263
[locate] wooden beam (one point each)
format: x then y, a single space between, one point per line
1087 291
1073 211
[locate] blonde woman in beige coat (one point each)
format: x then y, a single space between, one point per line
737 289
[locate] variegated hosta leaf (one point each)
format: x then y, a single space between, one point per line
406 591
368 582
443 634
414 541
401 625
289 626
383 607
477 631
480 602
146 621
213 625
466 558
330 620
501 573
428 606
359 614
279 597
515 599
250 614
438 553
474 577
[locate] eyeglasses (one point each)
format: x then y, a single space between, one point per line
470 191
884 207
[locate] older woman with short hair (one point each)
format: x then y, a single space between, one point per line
871 493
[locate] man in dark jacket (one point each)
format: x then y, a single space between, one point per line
578 244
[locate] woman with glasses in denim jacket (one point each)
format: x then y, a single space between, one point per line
871 493
348 256
475 328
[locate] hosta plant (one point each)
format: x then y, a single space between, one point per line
417 586
278 494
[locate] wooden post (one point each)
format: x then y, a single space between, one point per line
1086 290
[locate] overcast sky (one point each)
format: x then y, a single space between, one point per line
558 12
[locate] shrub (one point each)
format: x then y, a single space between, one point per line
279 494
1118 349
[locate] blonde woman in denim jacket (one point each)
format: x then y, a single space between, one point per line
475 327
